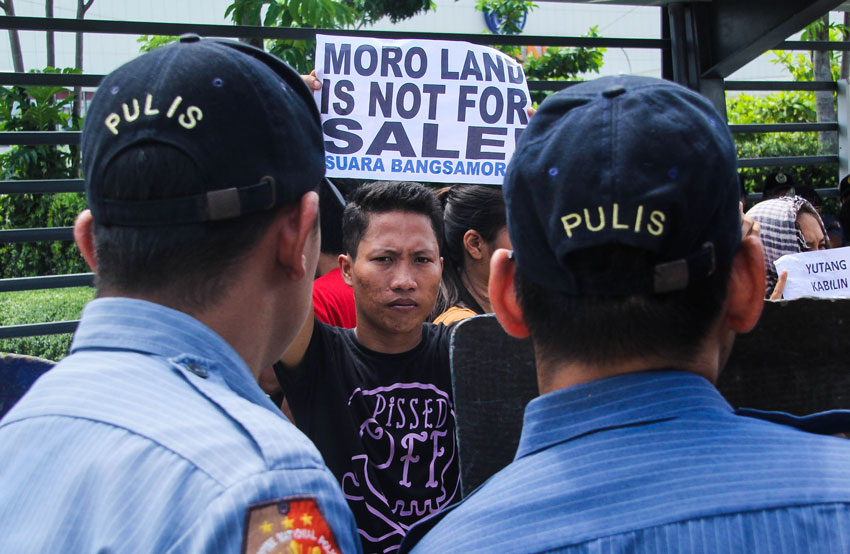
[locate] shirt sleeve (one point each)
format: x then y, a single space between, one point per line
300 383
290 377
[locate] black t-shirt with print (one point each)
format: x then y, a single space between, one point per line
385 425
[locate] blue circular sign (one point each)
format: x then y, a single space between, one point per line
495 23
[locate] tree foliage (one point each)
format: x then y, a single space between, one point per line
560 64
35 108
396 10
552 63
152 42
317 14
320 14
509 14
780 107
785 107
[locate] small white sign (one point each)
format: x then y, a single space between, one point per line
821 273
418 110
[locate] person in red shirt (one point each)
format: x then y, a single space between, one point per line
333 300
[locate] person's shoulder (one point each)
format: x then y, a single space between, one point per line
326 329
830 422
813 438
327 351
100 385
454 314
437 334
199 492
171 410
437 330
703 468
469 526
326 335
515 514
303 503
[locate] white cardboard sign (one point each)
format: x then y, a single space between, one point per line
820 273
418 110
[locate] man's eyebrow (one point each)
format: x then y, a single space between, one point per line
381 250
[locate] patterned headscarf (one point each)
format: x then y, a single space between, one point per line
780 233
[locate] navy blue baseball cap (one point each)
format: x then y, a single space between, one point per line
776 184
625 160
244 117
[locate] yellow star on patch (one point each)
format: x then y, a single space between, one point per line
266 527
287 523
307 519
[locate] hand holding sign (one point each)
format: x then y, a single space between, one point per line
821 273
312 82
435 111
779 287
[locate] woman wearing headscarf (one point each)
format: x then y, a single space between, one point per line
789 224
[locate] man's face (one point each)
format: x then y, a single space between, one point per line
396 274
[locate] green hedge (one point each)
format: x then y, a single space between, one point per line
41 306
27 211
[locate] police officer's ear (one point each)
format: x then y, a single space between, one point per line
84 237
745 297
298 237
502 295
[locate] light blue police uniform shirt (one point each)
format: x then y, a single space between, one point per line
152 436
656 462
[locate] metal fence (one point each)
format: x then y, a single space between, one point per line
664 46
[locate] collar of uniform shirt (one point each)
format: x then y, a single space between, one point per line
622 401
161 331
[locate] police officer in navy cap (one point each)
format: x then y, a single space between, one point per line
631 276
201 162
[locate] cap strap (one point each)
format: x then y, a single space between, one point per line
242 200
678 274
335 192
215 205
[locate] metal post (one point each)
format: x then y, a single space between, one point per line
843 128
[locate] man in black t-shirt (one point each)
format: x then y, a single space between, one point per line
376 400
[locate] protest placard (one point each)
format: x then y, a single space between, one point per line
419 110
820 273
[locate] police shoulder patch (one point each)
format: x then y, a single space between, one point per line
291 525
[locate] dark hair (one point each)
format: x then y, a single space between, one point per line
187 266
477 207
387 196
330 213
599 330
